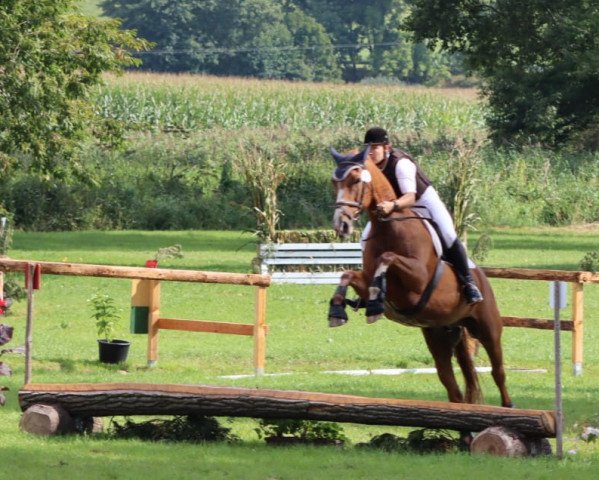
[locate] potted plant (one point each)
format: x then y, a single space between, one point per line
174 251
105 313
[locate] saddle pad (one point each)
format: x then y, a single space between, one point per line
436 240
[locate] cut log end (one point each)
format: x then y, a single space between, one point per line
41 419
504 442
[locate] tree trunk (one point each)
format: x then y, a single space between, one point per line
43 419
147 399
505 442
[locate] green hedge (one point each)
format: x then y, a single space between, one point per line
170 182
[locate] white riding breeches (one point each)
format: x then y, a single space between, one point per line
439 214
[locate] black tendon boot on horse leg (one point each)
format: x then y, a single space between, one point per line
456 254
375 306
337 314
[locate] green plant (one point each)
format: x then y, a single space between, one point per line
425 440
308 430
482 248
263 168
190 428
463 181
105 314
590 262
5 235
174 251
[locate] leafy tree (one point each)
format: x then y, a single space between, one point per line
50 61
539 60
263 38
372 41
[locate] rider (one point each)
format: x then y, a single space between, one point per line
414 189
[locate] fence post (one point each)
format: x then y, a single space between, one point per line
577 326
153 315
260 331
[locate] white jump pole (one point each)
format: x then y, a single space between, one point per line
557 300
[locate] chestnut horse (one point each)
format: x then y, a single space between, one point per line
404 278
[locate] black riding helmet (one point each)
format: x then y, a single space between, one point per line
376 135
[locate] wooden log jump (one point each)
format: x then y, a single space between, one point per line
96 400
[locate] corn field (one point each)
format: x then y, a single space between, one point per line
186 103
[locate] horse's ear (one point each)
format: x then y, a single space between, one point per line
364 154
336 155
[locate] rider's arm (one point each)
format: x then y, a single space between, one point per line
405 172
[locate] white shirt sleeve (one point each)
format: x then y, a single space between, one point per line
405 171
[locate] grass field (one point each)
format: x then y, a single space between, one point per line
299 344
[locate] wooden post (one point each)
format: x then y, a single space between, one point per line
153 315
141 292
577 326
29 325
260 331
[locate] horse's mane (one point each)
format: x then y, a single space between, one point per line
381 187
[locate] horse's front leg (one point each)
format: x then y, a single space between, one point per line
375 306
355 279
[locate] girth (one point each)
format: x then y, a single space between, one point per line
426 295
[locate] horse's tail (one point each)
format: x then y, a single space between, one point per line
464 355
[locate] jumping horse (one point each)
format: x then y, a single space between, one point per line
405 278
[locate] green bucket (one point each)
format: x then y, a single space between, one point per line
139 319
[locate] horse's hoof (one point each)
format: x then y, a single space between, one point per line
337 322
370 320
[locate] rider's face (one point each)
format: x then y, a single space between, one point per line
378 152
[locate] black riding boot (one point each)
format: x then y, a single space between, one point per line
456 254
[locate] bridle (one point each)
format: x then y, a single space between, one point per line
365 178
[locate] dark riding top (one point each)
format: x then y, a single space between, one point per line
422 181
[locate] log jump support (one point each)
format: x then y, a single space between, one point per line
504 431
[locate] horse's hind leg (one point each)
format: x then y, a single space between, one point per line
487 329
493 347
465 360
441 342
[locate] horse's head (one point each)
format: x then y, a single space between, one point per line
353 185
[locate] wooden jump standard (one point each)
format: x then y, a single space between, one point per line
577 279
91 400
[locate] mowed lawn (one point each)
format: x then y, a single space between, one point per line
299 345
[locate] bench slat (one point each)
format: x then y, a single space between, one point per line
316 255
313 261
322 278
281 247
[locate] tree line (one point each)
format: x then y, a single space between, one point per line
316 40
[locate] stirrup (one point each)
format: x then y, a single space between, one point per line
472 293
